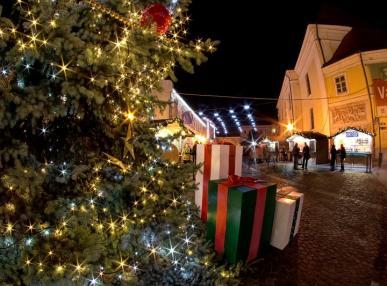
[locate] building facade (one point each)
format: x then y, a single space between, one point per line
175 107
339 81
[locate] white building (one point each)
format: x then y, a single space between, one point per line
302 100
177 108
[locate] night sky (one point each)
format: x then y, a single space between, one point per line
258 45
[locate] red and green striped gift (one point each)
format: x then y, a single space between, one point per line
236 219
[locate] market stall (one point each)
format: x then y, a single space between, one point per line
271 145
317 142
358 145
182 137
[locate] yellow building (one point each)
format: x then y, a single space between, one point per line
340 81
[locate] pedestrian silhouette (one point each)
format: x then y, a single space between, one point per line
333 157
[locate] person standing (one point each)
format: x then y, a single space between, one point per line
264 151
296 155
333 157
305 156
276 151
194 153
343 154
186 156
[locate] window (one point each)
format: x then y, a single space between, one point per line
341 84
308 84
311 119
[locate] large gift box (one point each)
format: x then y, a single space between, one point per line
218 162
240 217
286 218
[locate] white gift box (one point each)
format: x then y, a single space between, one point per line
299 210
216 165
287 219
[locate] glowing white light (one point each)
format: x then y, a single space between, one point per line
28 241
20 83
246 107
182 101
233 116
200 113
43 130
231 111
216 114
93 281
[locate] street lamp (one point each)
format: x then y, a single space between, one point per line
290 127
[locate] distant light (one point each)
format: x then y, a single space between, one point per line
216 114
246 107
231 111
290 127
255 129
273 130
200 113
233 116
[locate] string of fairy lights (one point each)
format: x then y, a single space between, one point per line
126 97
220 121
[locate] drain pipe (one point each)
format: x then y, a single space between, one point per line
369 97
291 97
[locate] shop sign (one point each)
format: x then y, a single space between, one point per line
379 82
352 133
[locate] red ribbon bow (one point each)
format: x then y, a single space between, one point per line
235 180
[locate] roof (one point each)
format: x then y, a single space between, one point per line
352 128
310 135
359 40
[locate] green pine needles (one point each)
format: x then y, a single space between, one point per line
85 198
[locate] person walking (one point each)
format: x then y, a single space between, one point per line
296 155
343 154
333 157
305 156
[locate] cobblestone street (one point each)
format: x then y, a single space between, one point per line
343 234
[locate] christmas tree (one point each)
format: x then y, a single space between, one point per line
85 197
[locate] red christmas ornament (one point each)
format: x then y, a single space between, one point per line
157 14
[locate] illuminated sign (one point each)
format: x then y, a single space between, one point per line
352 133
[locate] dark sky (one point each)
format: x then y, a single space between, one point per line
258 44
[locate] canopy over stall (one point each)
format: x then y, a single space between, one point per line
317 142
